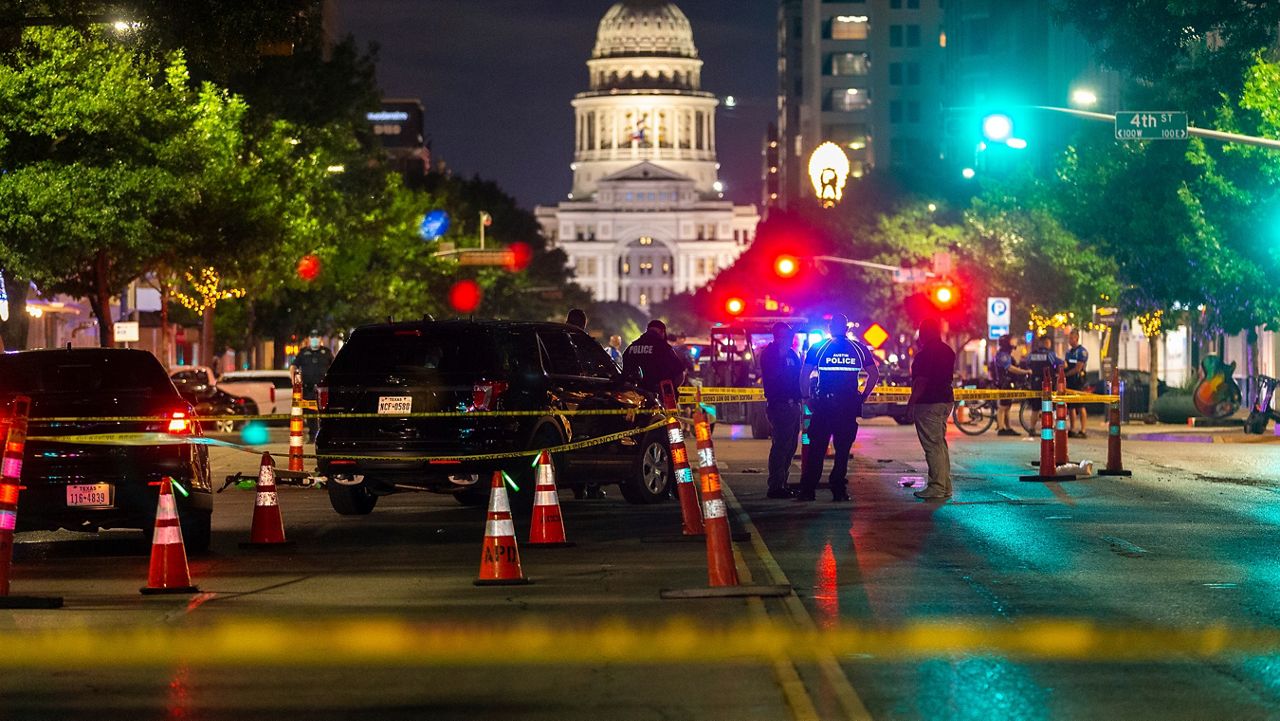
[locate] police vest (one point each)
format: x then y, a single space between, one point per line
839 364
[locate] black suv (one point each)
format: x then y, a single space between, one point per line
394 369
88 486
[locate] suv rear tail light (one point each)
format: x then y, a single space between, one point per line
322 397
273 395
180 424
485 395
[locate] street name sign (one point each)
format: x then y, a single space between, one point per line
1151 125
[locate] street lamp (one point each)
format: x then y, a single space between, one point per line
1084 98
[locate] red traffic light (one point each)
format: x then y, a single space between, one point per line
735 306
944 296
786 266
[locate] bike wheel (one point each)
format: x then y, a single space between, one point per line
981 417
1029 416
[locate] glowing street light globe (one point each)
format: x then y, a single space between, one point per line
997 127
828 171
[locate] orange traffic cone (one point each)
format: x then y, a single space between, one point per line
690 511
1060 425
1114 465
296 432
721 570
11 454
268 525
499 557
1048 462
168 573
548 523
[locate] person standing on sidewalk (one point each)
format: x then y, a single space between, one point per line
836 404
1077 359
780 375
931 403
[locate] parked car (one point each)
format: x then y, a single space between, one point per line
393 369
261 391
89 486
217 404
238 382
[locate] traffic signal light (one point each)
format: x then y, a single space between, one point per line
1005 129
997 127
786 266
734 305
944 296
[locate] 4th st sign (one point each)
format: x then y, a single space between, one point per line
1151 125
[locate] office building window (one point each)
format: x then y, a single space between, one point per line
913 73
853 136
913 111
895 36
895 73
895 111
913 36
915 4
849 63
847 99
848 27
895 4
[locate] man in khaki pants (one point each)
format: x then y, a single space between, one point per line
931 403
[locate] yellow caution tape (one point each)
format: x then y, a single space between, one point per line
398 643
165 439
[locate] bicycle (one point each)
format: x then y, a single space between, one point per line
973 418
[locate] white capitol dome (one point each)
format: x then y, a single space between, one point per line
644 27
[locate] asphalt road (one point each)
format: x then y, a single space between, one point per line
1184 544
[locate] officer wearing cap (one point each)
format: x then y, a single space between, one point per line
780 376
650 359
836 403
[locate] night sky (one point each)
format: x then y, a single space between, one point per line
496 78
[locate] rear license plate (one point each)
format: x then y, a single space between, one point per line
95 495
393 405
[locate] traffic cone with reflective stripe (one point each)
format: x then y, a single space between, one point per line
1114 465
15 441
720 567
1060 424
1048 465
548 523
268 525
499 557
688 495
296 431
168 573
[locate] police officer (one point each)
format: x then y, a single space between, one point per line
1042 358
780 374
649 360
1005 374
312 363
1077 359
836 404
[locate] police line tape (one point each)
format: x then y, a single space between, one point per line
320 643
882 394
165 439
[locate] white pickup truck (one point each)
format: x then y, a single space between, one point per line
264 388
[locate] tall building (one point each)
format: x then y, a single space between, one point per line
645 217
865 75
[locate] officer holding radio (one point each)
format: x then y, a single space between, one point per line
836 404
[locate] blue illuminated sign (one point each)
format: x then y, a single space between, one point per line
434 225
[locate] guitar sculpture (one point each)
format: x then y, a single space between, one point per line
1216 395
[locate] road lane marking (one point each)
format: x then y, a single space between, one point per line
830 669
1124 548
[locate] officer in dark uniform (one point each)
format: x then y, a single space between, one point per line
780 376
312 362
836 404
1042 358
1077 360
649 360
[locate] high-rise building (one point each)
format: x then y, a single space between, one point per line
865 75
646 217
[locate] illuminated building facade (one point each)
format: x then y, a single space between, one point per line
646 217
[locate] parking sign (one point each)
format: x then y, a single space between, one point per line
998 316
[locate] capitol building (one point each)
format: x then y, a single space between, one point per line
646 216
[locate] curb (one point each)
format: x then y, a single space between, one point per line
1201 438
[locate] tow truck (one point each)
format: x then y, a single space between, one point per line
730 359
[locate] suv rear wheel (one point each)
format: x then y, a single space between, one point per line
650 482
350 500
